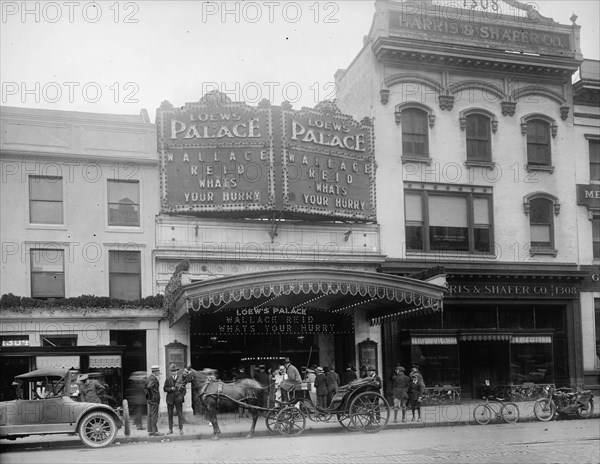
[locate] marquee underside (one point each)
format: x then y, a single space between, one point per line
383 297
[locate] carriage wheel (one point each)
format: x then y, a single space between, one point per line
346 421
271 421
290 421
369 412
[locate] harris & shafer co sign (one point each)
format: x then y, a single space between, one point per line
226 158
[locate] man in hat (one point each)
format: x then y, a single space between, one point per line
400 384
175 389
152 391
322 387
90 389
349 375
292 374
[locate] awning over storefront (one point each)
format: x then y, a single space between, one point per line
57 362
524 339
105 361
384 297
433 340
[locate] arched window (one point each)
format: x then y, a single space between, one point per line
479 141
538 142
541 223
415 133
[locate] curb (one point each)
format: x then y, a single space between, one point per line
122 440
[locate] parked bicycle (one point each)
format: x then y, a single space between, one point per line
496 407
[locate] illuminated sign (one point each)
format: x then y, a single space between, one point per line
328 165
216 158
274 321
224 158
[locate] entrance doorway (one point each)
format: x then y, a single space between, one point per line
482 364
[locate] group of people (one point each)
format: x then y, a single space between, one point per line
174 387
407 390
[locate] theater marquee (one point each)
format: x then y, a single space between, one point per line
224 158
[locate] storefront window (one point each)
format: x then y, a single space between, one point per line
516 317
437 363
549 318
531 362
470 318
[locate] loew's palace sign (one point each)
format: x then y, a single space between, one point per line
223 157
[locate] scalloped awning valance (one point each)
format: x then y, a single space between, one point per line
104 361
384 297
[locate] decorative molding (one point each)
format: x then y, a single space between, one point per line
446 102
431 119
564 112
463 118
537 195
508 108
384 96
538 168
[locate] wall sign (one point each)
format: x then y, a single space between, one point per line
273 321
588 195
218 157
514 289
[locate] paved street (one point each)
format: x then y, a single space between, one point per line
570 441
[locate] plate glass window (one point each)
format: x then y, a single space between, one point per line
47 273
414 133
479 143
538 142
596 236
456 222
125 275
123 203
541 223
45 200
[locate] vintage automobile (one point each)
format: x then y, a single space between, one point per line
52 408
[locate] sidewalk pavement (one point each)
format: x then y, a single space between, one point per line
232 426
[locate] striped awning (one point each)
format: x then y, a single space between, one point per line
524 339
105 361
433 340
485 337
57 362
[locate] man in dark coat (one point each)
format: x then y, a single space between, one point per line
152 391
175 396
349 375
135 396
400 384
90 389
263 378
333 382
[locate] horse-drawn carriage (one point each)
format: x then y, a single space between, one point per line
357 406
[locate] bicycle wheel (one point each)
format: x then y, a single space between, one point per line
544 409
510 413
482 414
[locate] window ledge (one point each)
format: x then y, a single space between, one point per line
125 229
543 251
46 227
535 167
481 164
416 159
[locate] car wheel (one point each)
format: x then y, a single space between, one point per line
97 429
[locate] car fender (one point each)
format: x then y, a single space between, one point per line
93 407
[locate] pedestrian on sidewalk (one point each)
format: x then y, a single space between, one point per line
175 389
349 374
333 382
136 398
400 385
322 387
311 375
278 377
90 389
415 390
152 392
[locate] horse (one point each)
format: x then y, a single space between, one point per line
211 392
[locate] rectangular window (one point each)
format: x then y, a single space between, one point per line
125 275
538 143
594 145
596 235
456 222
479 146
45 200
59 340
47 273
414 133
123 203
541 223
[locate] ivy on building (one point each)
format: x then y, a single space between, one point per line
83 303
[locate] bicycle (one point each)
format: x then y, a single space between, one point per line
508 412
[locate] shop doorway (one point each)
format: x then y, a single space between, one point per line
483 364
